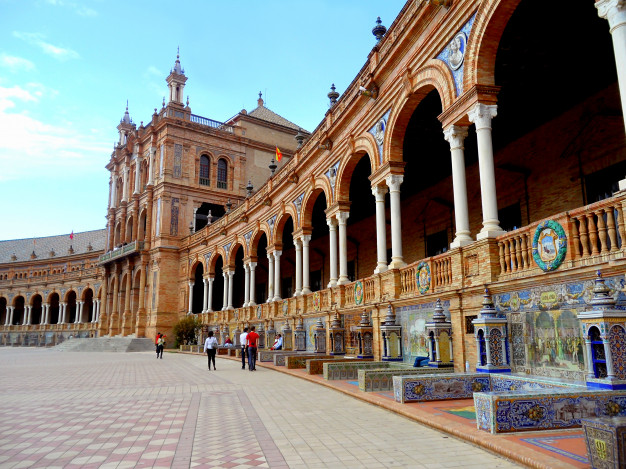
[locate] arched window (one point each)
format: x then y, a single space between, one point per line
222 174
204 171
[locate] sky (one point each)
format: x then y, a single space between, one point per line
68 67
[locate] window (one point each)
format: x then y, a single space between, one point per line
510 217
204 171
602 184
222 174
436 243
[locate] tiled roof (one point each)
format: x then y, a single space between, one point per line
60 244
265 114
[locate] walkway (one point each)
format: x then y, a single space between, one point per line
111 410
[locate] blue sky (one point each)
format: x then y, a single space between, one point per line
67 68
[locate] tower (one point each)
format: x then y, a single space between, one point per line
176 83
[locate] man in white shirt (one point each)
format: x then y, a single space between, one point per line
244 349
210 348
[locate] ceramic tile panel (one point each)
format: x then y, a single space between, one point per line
299 362
382 380
345 370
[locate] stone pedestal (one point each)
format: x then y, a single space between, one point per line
300 337
319 336
491 339
439 331
392 337
337 337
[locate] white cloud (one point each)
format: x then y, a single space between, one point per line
152 71
33 148
16 64
79 9
36 39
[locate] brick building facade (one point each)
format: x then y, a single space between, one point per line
431 177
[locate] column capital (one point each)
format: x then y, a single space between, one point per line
306 239
277 254
205 280
394 181
379 192
481 115
297 243
455 135
231 273
612 10
331 222
190 283
252 265
342 217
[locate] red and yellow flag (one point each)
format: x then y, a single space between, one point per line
279 155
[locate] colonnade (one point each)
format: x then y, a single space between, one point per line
63 313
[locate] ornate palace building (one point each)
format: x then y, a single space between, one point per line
477 147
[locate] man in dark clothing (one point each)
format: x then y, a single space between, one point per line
244 347
252 340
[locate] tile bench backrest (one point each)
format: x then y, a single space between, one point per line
346 370
299 362
544 409
382 380
433 387
316 366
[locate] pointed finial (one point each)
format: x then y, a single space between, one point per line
178 51
260 100
601 294
379 30
439 316
365 319
187 100
163 101
488 310
333 95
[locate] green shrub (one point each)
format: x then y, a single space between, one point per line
186 331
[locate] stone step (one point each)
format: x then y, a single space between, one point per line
106 344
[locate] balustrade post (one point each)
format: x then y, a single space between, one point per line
593 234
612 229
584 238
602 231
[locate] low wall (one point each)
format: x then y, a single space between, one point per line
544 409
268 355
293 362
347 370
464 385
382 380
316 366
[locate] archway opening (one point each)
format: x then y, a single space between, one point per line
361 229
36 310
208 213
54 308
18 313
238 278
218 285
261 279
318 247
287 261
197 300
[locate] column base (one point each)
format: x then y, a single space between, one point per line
251 303
276 298
380 268
306 290
490 233
343 281
396 264
332 283
461 241
296 294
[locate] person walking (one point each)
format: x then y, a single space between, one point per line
244 347
156 343
210 348
252 340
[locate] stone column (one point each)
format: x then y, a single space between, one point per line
252 267
481 116
488 349
114 190
209 306
270 277
137 175
393 182
306 283
478 357
246 285
79 311
27 312
151 166
205 295
615 12
63 310
342 220
7 316
44 313
125 188
610 372
231 274
96 311
195 211
332 237
590 372
225 291
190 309
381 229
11 315
437 353
455 136
277 275
505 359
298 244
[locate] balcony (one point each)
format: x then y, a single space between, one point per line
123 251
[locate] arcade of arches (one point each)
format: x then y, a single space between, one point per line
434 183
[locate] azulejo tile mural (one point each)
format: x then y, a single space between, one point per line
413 319
546 336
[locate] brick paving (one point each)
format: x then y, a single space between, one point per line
112 410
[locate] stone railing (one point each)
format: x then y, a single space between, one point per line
595 233
122 251
440 269
52 278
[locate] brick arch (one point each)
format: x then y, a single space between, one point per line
321 184
482 45
219 252
84 293
232 251
279 226
363 146
13 303
31 302
262 229
435 75
67 293
192 270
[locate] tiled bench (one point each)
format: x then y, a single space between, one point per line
347 370
606 441
382 380
316 366
293 362
281 360
268 355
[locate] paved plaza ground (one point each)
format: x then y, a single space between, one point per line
122 410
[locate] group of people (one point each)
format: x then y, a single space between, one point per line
249 344
159 342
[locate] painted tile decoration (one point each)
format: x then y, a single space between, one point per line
454 54
495 347
422 277
551 443
549 245
617 341
358 293
378 131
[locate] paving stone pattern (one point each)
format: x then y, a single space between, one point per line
108 410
